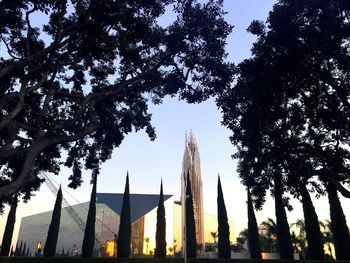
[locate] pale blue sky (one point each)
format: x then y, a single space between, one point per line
148 162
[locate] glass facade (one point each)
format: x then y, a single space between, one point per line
34 228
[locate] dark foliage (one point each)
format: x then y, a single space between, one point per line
124 234
83 80
288 109
339 227
191 242
312 228
224 248
253 233
160 250
89 234
10 224
52 234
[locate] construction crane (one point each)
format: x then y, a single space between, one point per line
70 210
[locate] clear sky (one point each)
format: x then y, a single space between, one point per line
148 162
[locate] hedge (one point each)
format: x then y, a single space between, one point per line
148 260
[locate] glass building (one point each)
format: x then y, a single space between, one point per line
34 228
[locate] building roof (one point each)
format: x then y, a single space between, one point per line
140 204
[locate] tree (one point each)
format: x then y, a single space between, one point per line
224 247
191 242
327 236
289 108
299 240
10 224
24 250
160 250
284 239
253 232
311 227
338 225
84 80
214 236
271 229
124 234
89 233
52 234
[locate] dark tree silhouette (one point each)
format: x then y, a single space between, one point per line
124 234
284 239
289 108
24 250
312 227
191 242
84 79
89 234
10 224
253 232
52 234
160 250
339 227
224 247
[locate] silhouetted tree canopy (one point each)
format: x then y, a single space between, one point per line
77 76
289 108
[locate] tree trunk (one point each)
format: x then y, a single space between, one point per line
338 225
312 227
10 224
283 235
89 234
253 233
52 235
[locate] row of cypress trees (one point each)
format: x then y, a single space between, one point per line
124 234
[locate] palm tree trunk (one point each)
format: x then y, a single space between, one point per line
312 228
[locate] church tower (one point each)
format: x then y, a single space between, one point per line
191 167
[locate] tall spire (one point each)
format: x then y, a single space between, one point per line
191 168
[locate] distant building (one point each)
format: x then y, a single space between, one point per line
34 228
191 167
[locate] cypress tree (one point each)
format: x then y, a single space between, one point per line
16 250
27 253
124 233
24 250
312 227
52 235
283 235
12 252
89 234
19 252
191 242
253 232
339 227
10 224
223 227
160 250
